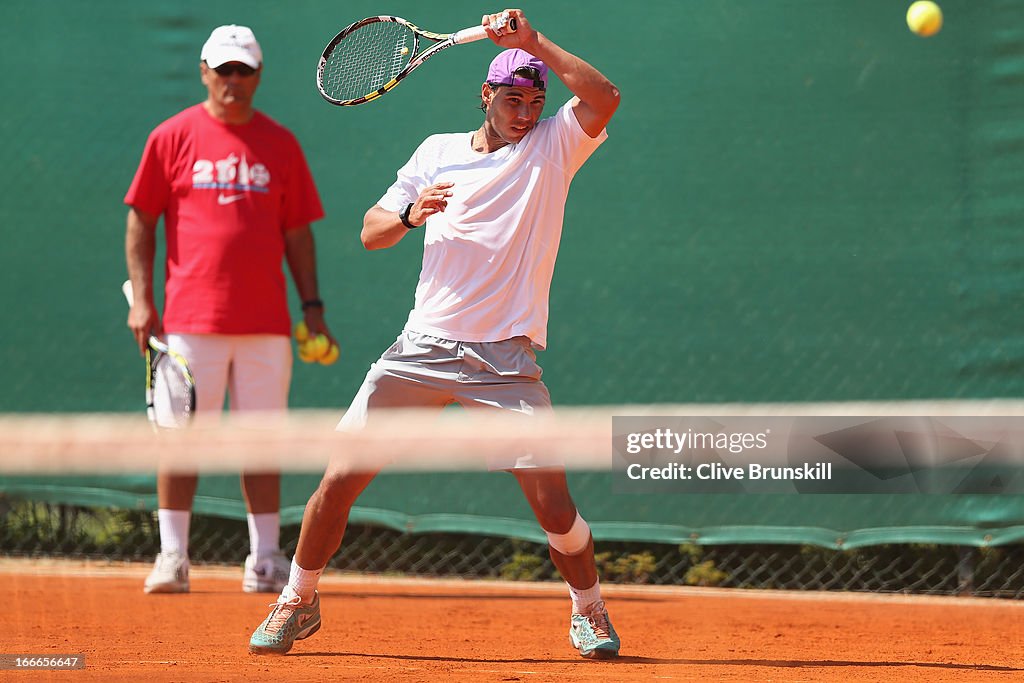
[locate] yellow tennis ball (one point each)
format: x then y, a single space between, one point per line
301 332
924 18
307 352
405 50
331 355
318 346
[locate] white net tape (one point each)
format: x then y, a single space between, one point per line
399 439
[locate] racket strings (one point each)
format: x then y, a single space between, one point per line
366 59
173 398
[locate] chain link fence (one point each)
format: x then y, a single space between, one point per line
33 529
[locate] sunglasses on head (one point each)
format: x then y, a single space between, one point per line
243 70
529 73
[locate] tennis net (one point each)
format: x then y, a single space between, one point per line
304 441
84 486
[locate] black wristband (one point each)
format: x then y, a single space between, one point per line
312 303
404 215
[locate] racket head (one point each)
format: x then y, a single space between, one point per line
367 58
170 387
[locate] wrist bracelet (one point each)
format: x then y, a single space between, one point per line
404 216
312 303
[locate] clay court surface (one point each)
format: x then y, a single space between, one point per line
422 630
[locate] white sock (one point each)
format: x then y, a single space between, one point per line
582 599
264 533
174 526
304 581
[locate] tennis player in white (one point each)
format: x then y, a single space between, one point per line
489 206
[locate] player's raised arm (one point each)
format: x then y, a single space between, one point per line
598 98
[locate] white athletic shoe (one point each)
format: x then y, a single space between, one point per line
169 575
267 574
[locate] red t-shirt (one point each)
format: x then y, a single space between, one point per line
228 193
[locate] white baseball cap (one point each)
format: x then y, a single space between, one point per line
232 43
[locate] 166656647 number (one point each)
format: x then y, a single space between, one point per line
41 662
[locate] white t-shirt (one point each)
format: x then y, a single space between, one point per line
489 257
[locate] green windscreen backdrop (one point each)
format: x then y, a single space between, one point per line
799 200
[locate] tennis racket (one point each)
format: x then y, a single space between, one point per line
372 56
167 377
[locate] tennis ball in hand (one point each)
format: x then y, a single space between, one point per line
331 355
307 352
301 332
924 18
319 345
314 348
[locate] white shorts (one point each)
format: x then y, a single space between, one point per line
420 371
253 370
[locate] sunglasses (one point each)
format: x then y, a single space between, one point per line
243 70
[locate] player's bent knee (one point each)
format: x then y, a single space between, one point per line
572 542
341 486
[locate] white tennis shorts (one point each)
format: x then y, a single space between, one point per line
253 370
420 371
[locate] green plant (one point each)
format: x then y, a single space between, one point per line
522 566
705 574
627 567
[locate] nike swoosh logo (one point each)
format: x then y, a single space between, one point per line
223 201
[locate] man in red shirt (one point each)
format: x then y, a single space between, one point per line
237 199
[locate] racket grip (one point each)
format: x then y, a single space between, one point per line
468 35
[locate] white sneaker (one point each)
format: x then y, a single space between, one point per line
267 574
169 575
